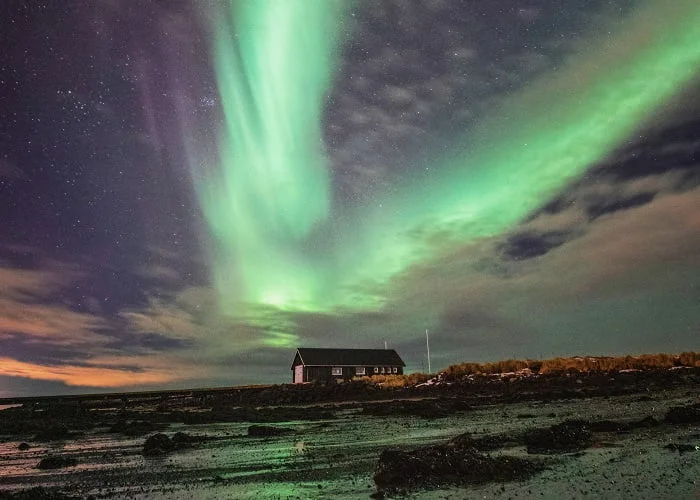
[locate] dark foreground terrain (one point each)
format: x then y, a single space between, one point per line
634 434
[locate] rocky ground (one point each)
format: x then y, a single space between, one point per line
623 435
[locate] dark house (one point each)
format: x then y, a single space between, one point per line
325 365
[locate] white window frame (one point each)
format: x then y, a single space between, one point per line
337 371
395 370
360 370
376 369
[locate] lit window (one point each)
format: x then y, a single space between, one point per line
395 370
376 370
337 371
359 370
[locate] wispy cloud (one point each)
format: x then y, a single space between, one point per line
52 324
48 337
30 305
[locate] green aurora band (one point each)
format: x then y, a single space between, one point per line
269 200
533 146
274 62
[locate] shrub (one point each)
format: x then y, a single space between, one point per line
578 364
395 381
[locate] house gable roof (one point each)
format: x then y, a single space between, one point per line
348 357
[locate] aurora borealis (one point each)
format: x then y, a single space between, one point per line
186 200
543 138
273 190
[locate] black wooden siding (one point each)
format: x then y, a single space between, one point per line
317 363
324 373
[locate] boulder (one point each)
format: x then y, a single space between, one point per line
183 440
683 415
157 444
682 448
454 463
566 437
266 431
56 462
160 444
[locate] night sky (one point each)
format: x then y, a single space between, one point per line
190 190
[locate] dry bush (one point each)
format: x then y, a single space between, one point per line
561 365
505 366
688 359
395 381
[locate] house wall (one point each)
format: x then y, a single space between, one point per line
369 370
298 374
324 373
317 374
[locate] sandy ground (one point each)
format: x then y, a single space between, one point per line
336 458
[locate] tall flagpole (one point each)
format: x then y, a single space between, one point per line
427 345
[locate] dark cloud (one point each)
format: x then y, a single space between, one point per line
144 343
22 347
596 210
528 245
347 327
661 161
673 148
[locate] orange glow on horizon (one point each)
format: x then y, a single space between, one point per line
86 376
